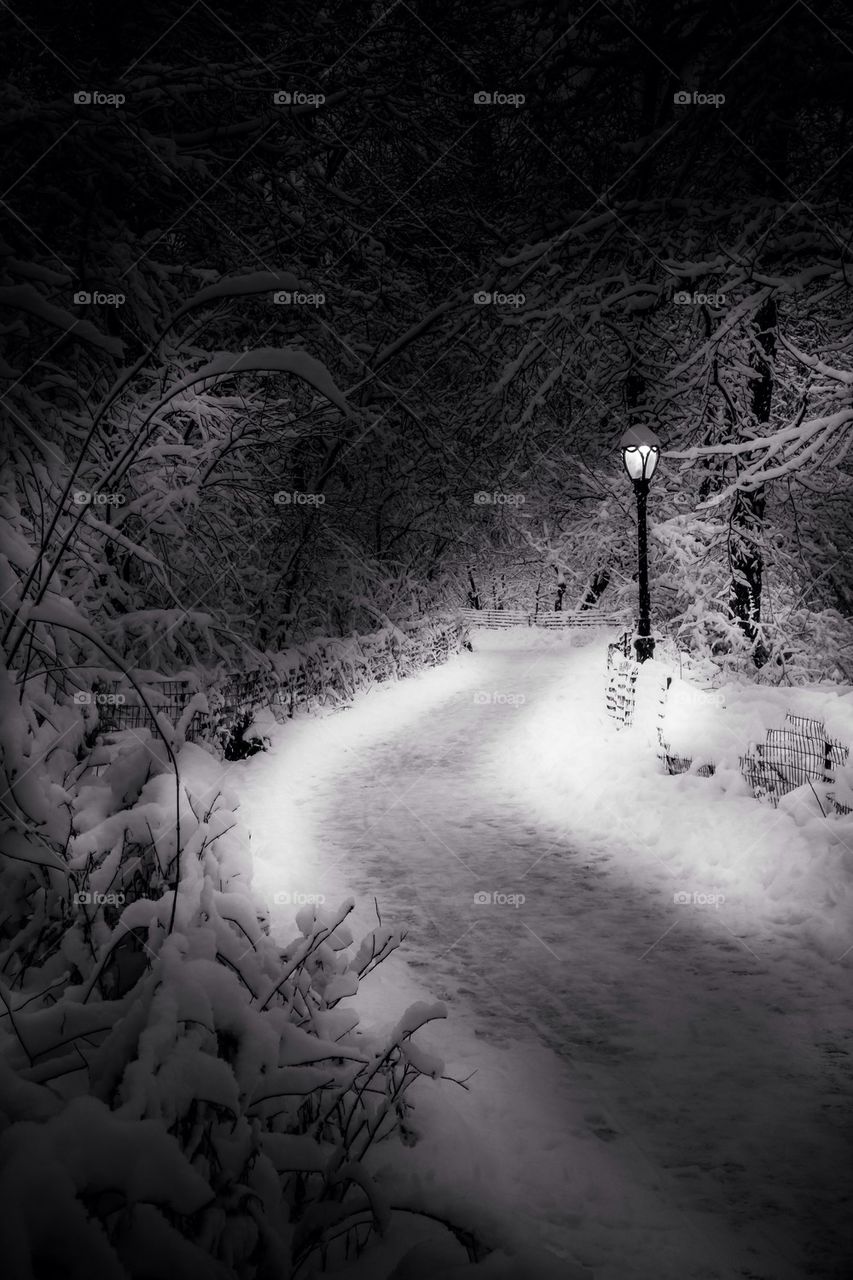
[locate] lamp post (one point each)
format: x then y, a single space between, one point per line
640 453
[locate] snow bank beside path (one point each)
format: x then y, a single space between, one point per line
708 840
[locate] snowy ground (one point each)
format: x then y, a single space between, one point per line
662 1087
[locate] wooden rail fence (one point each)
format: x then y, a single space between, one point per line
500 618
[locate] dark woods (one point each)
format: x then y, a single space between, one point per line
683 263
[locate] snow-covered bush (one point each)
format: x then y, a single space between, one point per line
180 1094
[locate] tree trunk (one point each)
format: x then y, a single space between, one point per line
596 588
561 590
538 592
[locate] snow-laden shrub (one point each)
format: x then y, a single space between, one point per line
805 637
180 1094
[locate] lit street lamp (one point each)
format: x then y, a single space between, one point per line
640 453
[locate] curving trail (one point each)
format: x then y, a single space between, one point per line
658 1097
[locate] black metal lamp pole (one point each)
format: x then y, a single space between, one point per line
640 453
644 643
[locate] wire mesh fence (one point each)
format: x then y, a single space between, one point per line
800 753
328 674
120 706
620 648
622 671
671 761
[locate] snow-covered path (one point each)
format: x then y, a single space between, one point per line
662 1090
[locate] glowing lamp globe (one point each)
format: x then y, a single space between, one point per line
640 452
